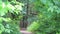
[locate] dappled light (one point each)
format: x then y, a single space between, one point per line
29 16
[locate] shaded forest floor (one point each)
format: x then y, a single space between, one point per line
24 31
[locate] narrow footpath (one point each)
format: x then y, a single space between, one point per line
23 31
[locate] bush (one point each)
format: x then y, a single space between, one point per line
10 16
48 17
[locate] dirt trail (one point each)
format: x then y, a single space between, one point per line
23 31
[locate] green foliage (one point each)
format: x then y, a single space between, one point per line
48 17
10 14
32 26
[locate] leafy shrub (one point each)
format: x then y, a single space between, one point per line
32 26
10 17
48 17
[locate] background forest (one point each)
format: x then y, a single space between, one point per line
43 16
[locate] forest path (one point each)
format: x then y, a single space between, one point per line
23 31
